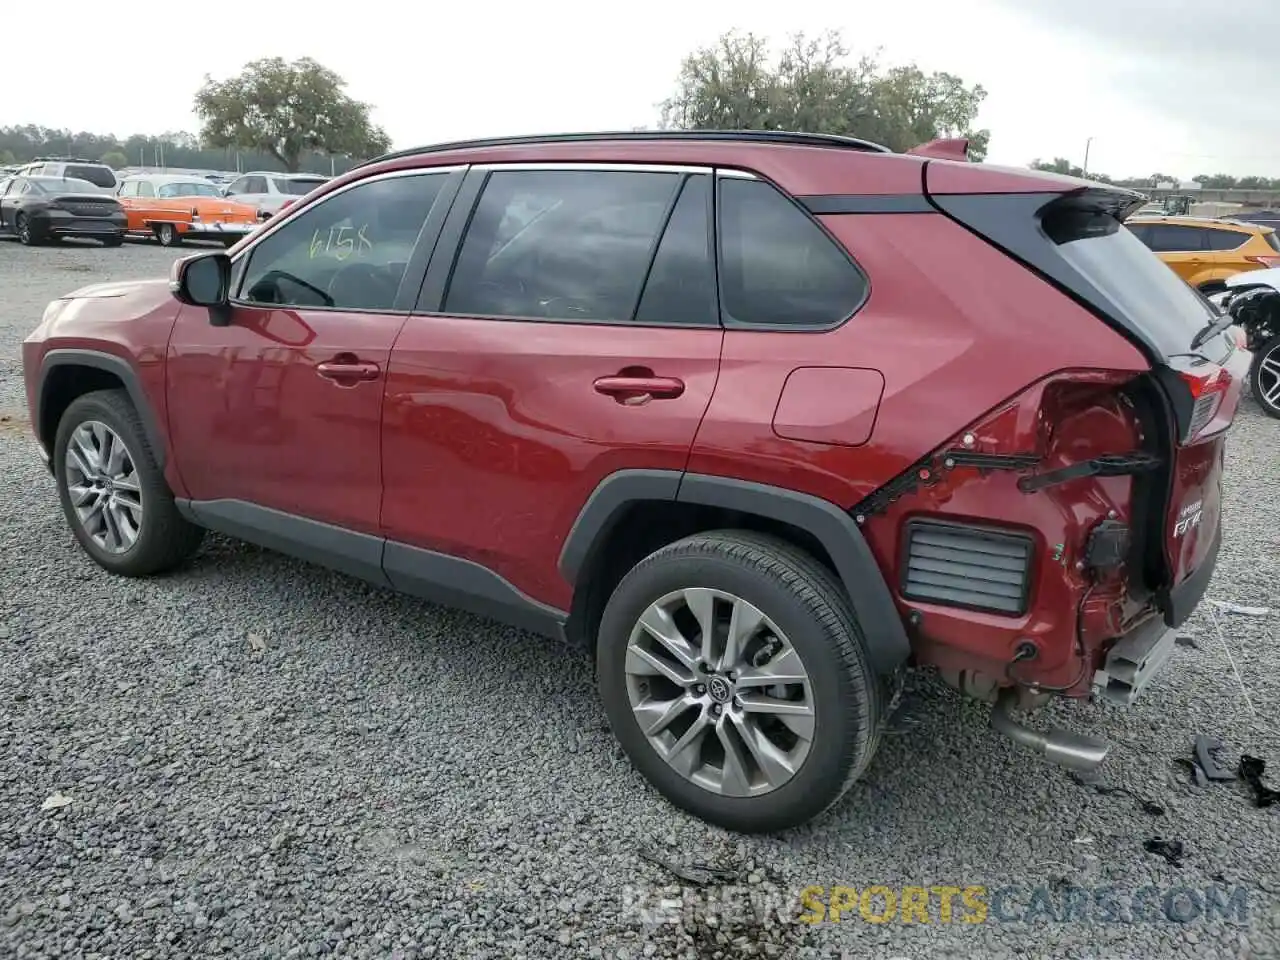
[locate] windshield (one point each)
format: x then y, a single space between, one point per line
187 190
297 186
63 185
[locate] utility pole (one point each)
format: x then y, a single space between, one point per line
1087 144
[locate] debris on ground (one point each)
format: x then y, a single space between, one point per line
257 643
1228 607
1206 758
1251 769
699 874
1172 850
1186 640
55 801
1145 805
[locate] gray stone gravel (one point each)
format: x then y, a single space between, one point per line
269 760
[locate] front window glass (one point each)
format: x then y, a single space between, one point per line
346 252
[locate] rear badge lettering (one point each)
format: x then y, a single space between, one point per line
1188 518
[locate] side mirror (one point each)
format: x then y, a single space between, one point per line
204 280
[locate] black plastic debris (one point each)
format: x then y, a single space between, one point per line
1206 757
1172 850
1145 805
1251 769
699 874
1184 640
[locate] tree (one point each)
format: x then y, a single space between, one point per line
7 158
1065 167
816 86
115 159
286 109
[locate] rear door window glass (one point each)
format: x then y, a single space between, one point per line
560 244
777 266
1225 239
1176 238
681 288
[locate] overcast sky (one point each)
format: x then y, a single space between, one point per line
1140 83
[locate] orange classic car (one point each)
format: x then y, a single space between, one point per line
175 208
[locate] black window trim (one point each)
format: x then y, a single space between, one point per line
726 319
440 270
419 257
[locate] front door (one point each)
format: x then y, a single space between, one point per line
281 408
543 360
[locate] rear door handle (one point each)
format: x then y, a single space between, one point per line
347 369
638 390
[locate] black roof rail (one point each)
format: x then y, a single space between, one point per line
748 136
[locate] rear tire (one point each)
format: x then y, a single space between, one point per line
1264 377
808 630
168 235
120 509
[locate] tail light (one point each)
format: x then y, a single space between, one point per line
1197 391
1264 262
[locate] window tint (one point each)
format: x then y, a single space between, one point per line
1142 231
1174 238
255 185
778 266
560 244
346 252
1272 241
1225 239
681 284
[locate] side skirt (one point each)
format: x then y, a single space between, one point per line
436 577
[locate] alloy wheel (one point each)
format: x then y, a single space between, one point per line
103 486
720 692
1268 381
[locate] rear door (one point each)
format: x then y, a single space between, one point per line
1182 247
567 329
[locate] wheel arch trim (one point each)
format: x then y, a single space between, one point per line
108 363
869 594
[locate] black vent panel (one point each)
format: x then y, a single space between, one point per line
959 565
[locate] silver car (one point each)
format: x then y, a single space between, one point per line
269 191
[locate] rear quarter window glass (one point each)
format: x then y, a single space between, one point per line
1272 242
777 266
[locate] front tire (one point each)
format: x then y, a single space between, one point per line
28 236
113 494
1264 377
767 722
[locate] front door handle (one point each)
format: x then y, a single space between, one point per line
348 370
635 390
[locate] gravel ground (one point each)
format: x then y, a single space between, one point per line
268 760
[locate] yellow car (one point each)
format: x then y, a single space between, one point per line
1205 252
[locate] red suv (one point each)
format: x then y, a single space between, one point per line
759 418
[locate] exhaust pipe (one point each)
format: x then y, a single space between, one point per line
1074 751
